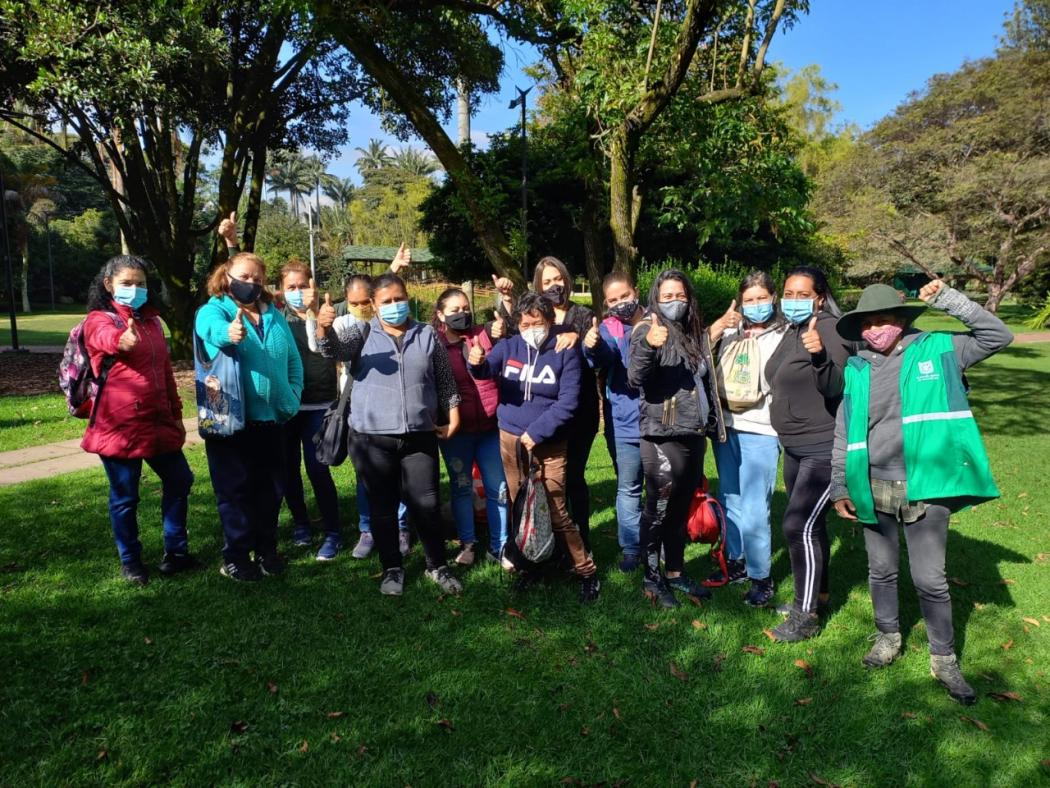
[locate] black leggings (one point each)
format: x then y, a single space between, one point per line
673 468
396 468
808 481
577 493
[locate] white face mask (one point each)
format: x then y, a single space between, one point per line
534 337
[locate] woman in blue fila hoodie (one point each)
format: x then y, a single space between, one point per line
539 389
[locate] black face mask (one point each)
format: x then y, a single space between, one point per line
459 321
556 293
246 293
624 310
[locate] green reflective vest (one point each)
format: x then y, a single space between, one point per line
943 453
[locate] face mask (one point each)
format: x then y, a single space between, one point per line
673 310
294 299
758 313
394 314
459 321
245 292
624 311
556 293
362 312
534 337
797 309
130 295
882 339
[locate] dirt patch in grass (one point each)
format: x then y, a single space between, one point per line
37 373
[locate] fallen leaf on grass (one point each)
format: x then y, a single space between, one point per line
1006 581
802 664
803 701
149 641
958 581
446 724
84 679
103 755
591 647
585 730
695 601
698 624
678 673
362 750
974 721
515 613
821 781
376 576
564 706
334 715
304 747
271 687
652 627
432 700
335 737
1005 696
238 726
756 650
455 612
1008 645
769 634
908 715
1033 621
616 712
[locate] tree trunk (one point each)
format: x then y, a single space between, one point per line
25 279
621 203
182 306
255 190
462 112
996 293
593 249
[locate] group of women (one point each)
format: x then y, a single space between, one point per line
869 412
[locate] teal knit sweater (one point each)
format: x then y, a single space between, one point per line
271 369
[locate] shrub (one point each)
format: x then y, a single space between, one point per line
715 287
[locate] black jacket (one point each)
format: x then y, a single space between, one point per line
320 381
807 388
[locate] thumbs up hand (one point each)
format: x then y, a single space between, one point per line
930 290
499 327
402 259
591 338
657 335
310 297
503 285
476 355
228 229
129 338
731 319
326 314
811 339
236 330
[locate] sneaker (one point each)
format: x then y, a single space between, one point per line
525 581
404 539
656 590
393 582
590 586
688 586
134 572
886 649
330 547
786 608
630 562
301 536
760 594
173 563
271 565
364 546
736 570
247 572
946 670
466 554
445 580
799 626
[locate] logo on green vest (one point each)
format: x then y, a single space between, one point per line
926 372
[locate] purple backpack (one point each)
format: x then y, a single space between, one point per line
75 377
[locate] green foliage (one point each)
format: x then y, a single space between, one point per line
1040 319
715 287
280 238
386 210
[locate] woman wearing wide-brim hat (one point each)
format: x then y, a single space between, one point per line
908 453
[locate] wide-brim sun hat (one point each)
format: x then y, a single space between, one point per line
876 300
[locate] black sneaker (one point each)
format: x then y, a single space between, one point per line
799 626
589 588
735 569
760 594
630 562
173 563
271 565
656 590
244 572
134 572
786 608
688 586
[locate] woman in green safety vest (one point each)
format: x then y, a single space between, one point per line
907 452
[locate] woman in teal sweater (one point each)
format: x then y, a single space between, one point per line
248 468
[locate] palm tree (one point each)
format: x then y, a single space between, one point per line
290 172
338 190
374 157
415 162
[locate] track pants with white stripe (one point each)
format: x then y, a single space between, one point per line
807 477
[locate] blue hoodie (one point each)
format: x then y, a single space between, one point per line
538 391
620 405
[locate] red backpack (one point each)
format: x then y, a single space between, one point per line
707 525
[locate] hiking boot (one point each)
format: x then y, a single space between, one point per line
404 541
271 565
799 626
886 649
630 562
393 582
301 536
761 593
589 588
173 563
244 572
330 548
135 573
364 546
688 586
736 572
656 590
946 670
445 580
466 554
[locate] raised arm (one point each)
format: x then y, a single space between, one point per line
987 335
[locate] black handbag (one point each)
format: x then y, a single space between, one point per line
330 442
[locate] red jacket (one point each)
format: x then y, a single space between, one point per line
139 413
478 398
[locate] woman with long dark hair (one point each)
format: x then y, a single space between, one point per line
672 367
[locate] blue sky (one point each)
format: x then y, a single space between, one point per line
877 53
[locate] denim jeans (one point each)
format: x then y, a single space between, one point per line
747 473
364 511
176 478
461 451
627 462
299 445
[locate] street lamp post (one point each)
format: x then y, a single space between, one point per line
50 266
6 252
520 102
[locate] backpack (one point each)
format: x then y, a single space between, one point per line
331 439
707 524
530 538
741 371
75 376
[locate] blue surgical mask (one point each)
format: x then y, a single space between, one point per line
758 313
797 309
394 314
130 295
294 299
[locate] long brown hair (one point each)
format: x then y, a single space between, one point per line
218 279
439 305
552 262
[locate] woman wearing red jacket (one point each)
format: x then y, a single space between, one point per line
137 414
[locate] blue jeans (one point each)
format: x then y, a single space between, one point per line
364 511
299 445
627 462
461 451
176 478
747 473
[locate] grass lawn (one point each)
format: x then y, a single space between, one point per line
314 678
35 420
42 328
